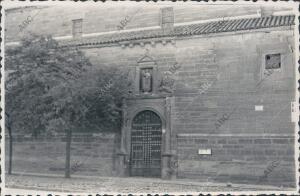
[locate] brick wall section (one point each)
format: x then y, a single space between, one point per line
237 159
95 154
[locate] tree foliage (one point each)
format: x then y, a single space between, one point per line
51 89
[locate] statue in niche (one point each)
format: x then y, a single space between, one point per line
146 80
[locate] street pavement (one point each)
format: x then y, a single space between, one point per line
81 184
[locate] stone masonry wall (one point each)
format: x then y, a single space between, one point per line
222 75
218 76
237 159
230 69
91 154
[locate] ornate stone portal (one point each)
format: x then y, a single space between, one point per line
145 148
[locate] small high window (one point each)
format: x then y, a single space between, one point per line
77 28
167 17
273 61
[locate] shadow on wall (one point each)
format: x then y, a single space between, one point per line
91 154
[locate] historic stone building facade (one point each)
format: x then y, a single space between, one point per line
212 94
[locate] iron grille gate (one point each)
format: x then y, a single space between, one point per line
146 134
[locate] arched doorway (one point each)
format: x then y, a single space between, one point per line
146 137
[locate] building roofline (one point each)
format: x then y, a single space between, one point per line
178 31
231 25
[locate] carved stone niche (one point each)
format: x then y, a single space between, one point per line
146 76
146 98
148 81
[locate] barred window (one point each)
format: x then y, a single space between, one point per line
273 61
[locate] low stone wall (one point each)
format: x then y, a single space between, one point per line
237 159
91 154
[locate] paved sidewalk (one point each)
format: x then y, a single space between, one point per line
122 185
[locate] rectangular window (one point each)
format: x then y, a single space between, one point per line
273 61
167 17
77 28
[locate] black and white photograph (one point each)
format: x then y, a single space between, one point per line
146 98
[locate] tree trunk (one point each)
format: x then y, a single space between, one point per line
10 151
68 153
